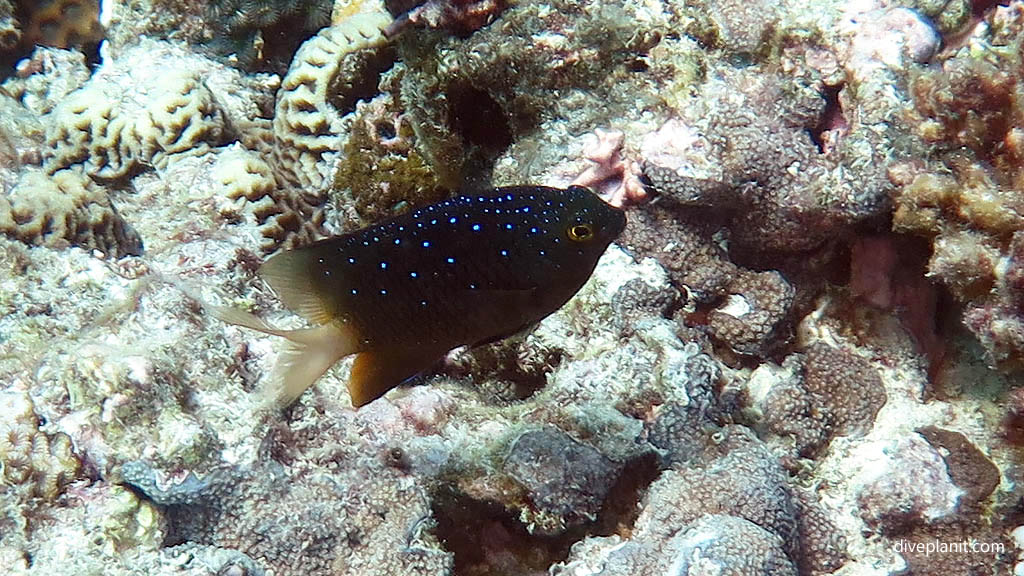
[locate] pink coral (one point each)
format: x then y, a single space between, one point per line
613 176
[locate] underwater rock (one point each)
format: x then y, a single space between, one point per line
563 478
771 179
913 487
21 141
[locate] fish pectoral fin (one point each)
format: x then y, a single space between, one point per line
307 354
378 370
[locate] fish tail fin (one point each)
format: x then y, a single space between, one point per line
242 318
305 357
307 354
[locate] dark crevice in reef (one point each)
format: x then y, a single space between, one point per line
483 126
489 540
831 118
362 78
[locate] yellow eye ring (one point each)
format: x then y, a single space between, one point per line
580 232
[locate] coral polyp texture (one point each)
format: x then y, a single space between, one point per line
802 356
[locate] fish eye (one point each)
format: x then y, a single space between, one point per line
580 232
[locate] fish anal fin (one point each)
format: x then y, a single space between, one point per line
293 276
378 370
307 354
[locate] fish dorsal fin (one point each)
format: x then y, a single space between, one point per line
378 370
291 275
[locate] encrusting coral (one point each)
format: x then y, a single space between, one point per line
826 393
709 401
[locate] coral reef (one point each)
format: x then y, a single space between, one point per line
731 510
112 135
829 392
320 87
279 518
712 400
757 303
36 464
10 31
964 195
382 140
66 208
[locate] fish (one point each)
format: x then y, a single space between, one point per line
467 271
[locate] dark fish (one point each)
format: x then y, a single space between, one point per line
469 270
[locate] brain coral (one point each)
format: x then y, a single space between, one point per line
36 464
113 134
306 119
64 208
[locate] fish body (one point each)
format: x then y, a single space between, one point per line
402 293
